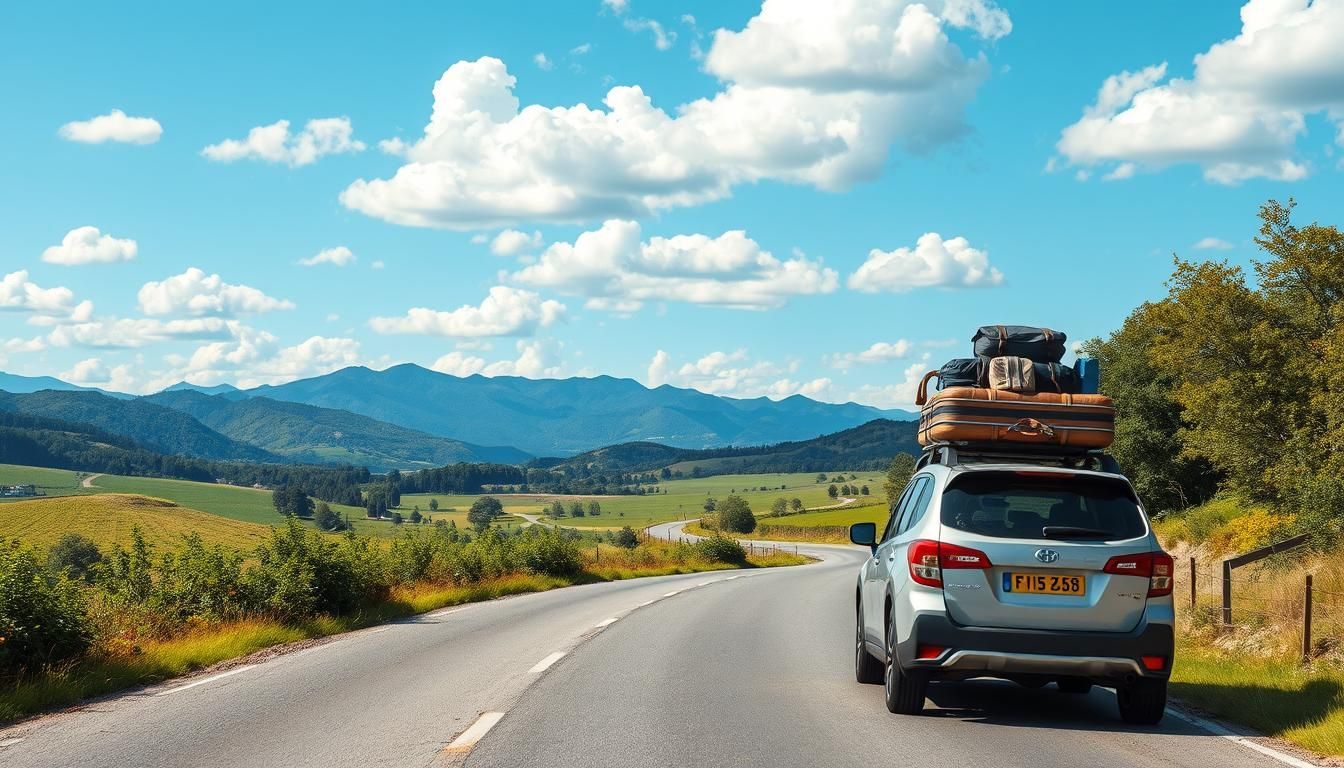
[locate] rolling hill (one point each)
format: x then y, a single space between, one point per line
308 433
562 417
153 426
107 518
868 446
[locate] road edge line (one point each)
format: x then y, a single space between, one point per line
209 679
1245 741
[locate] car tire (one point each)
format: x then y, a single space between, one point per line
904 692
1074 686
1142 702
867 668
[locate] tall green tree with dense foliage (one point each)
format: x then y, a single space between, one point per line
779 506
292 500
594 508
735 516
75 556
483 511
899 471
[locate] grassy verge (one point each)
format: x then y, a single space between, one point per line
1277 696
154 660
821 534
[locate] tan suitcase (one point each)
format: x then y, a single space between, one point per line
976 415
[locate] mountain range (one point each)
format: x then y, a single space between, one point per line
407 417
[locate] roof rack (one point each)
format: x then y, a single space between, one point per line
956 454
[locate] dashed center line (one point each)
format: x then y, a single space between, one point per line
606 623
205 680
646 602
673 594
468 738
545 664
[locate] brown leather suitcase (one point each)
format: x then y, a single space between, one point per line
976 415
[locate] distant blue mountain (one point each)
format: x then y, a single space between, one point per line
218 389
561 417
21 385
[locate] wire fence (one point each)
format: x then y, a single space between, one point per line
1275 592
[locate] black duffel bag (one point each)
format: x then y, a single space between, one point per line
964 372
1056 377
1039 345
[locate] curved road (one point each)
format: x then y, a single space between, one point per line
738 668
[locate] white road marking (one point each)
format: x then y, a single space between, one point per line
468 738
646 602
11 742
705 583
205 680
376 631
545 664
1218 730
673 594
603 624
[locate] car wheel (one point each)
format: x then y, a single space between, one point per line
905 692
1074 685
867 669
1143 701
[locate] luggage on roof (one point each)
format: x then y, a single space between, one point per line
979 415
963 372
1040 345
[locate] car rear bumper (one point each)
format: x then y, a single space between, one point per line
1104 657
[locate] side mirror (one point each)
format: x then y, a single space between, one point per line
864 534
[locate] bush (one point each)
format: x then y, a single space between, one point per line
735 515
42 616
717 549
75 556
197 582
548 553
626 538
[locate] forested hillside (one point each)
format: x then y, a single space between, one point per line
1236 381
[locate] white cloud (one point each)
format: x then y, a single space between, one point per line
535 360
581 49
660 369
114 126
822 116
377 264
615 270
1213 243
1241 113
542 61
195 293
898 395
254 357
86 245
275 144
616 6
933 262
114 333
879 352
46 305
338 256
511 242
506 311
87 371
663 38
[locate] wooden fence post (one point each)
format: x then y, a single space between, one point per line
1306 625
1193 573
1227 594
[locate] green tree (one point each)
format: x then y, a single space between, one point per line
832 491
557 509
397 518
626 538
433 505
483 511
416 517
864 490
576 509
709 505
796 504
594 509
779 506
325 519
734 515
75 556
821 478
899 471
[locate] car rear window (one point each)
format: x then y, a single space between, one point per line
1026 505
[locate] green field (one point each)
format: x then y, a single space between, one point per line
684 498
49 482
108 518
875 513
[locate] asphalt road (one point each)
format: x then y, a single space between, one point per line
731 668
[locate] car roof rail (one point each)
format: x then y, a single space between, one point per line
957 454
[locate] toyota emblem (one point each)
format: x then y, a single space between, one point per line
1047 555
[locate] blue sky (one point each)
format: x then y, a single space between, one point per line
902 173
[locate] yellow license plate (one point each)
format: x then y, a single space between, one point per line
1044 584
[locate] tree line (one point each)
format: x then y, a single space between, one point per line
1236 382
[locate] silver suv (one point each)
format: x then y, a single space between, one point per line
1036 571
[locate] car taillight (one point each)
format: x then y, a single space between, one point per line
1155 566
928 559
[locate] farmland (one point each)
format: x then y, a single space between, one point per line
684 498
108 518
49 482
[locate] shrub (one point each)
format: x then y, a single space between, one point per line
548 553
75 556
717 549
42 616
197 582
735 515
626 538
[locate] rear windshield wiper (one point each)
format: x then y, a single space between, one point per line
1074 532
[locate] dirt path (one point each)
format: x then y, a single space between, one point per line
88 481
839 503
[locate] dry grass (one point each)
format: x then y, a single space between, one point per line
822 534
108 518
